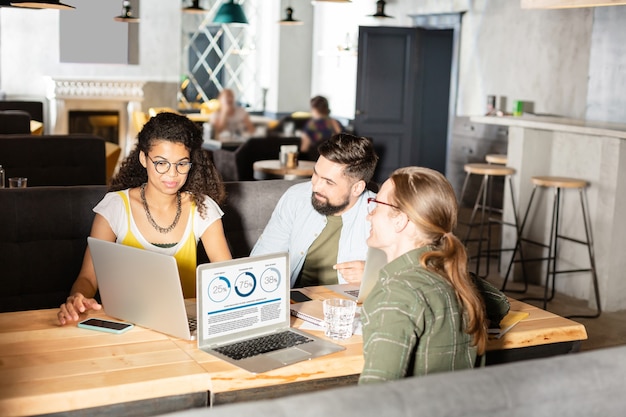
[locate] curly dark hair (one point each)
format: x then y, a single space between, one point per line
203 178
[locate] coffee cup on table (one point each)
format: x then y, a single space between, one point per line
284 151
291 160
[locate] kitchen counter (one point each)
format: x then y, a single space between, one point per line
595 152
557 124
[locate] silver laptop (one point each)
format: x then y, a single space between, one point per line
142 287
244 316
374 261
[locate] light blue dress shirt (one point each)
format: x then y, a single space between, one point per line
295 224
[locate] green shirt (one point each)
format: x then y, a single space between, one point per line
413 324
322 256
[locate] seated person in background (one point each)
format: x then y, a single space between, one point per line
318 129
424 315
231 120
164 199
321 223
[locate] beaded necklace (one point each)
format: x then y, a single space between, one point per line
164 230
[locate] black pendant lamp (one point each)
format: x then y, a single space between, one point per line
194 8
41 4
380 10
127 14
230 12
289 20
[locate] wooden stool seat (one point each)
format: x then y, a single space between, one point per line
499 159
487 169
556 236
560 182
485 214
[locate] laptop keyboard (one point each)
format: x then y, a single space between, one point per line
193 324
263 344
354 293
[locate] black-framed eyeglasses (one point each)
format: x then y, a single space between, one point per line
372 202
163 167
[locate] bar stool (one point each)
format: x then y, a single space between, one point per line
558 184
496 158
484 203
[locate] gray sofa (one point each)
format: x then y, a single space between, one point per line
577 385
44 234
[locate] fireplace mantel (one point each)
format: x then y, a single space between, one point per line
123 96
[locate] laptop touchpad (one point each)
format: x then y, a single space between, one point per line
288 356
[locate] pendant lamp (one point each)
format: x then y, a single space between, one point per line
194 8
42 4
380 10
289 20
230 12
127 14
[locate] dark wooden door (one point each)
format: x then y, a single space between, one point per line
387 74
402 98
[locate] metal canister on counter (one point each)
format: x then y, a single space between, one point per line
491 105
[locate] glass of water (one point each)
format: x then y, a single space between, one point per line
339 317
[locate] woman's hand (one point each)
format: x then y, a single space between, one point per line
74 306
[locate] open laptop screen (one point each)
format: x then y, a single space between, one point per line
242 297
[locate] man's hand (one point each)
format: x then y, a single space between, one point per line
74 306
351 271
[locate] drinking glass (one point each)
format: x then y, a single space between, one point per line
339 317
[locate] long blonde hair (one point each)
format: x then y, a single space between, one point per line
427 198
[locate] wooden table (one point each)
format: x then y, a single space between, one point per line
541 334
232 384
273 169
45 368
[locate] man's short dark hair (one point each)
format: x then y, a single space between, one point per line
356 153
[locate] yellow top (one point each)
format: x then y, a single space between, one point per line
185 257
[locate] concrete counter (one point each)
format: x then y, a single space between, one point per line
592 151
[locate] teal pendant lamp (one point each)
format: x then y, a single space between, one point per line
230 12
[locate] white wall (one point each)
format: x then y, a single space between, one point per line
607 80
29 49
568 62
540 56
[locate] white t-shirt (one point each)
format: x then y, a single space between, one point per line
112 208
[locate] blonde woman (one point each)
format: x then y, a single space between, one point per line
425 314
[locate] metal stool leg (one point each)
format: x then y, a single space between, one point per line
592 259
552 247
518 246
553 250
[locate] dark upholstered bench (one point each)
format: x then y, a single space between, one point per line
51 160
43 235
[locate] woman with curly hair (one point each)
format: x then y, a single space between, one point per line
164 199
425 314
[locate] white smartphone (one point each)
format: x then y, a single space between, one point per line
104 325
